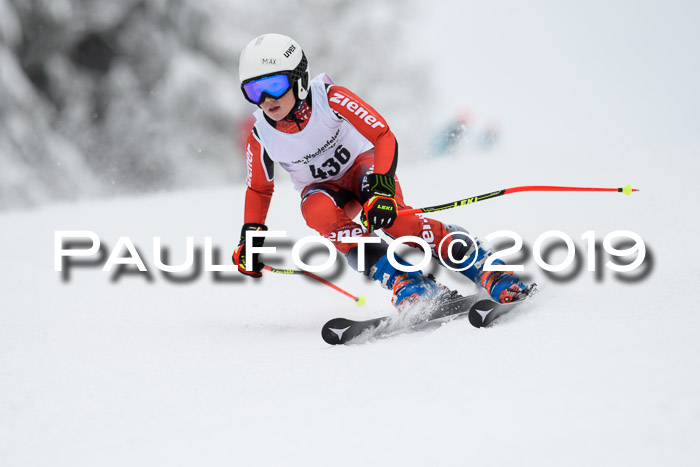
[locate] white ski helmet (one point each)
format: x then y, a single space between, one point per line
272 54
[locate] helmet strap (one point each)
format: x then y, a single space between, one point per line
297 103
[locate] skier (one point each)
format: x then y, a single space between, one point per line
342 158
453 134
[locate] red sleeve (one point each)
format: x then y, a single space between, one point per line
259 179
370 124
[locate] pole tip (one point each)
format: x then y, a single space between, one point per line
360 301
627 189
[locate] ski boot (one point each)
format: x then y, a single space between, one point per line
503 286
407 287
414 288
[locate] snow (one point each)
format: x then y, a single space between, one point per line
138 369
142 372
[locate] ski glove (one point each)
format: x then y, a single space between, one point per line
241 259
380 210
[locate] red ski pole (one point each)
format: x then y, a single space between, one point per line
473 199
359 300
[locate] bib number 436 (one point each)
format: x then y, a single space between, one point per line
332 165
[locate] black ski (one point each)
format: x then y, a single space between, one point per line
342 330
486 312
481 312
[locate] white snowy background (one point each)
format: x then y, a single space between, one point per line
595 370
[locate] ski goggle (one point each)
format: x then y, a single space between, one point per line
273 86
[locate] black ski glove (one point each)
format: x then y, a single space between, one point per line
239 254
380 210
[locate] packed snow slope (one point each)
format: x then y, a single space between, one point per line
141 370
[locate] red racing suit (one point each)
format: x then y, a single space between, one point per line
334 191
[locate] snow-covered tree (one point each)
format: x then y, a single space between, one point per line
100 97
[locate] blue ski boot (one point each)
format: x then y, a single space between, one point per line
408 288
502 286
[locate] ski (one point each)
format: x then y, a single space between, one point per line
481 312
342 330
486 312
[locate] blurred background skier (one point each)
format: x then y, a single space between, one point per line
342 159
452 134
450 137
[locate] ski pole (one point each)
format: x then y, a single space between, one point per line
627 189
359 300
